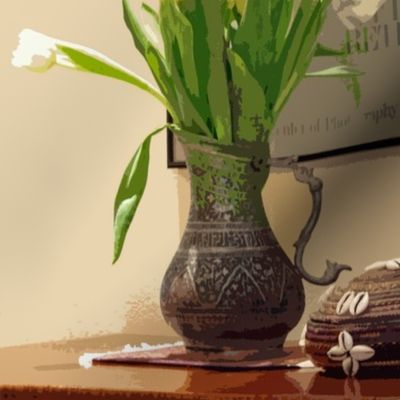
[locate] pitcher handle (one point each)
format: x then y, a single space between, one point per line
306 175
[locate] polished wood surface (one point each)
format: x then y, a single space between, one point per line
51 371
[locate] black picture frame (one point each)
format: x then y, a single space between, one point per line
359 126
173 162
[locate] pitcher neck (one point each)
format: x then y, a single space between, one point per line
226 188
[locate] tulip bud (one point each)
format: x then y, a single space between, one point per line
35 51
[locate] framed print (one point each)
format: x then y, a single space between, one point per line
322 118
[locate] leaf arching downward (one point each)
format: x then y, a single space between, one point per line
340 71
97 64
130 193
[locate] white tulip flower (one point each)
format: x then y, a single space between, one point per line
35 51
354 13
39 53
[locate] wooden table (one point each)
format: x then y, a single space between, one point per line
51 371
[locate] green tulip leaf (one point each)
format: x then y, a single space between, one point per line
98 64
340 71
325 51
152 12
130 192
177 33
298 50
154 59
248 103
217 87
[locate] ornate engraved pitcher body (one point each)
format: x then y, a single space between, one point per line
230 288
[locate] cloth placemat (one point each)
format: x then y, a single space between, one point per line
175 355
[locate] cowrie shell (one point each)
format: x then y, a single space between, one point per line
350 366
345 340
362 352
392 265
344 303
359 303
376 265
337 353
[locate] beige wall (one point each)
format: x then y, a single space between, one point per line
65 139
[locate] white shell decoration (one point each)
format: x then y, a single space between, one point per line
350 355
344 303
345 340
359 303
